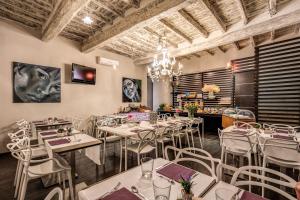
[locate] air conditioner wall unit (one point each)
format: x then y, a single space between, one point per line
107 61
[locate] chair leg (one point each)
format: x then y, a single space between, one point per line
173 140
163 149
263 174
179 138
121 156
139 159
225 158
23 187
200 139
192 138
17 173
249 163
19 178
71 189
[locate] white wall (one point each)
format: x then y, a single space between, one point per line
76 99
162 91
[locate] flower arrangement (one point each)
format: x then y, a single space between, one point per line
191 108
211 89
186 185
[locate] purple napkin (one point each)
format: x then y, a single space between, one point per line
59 141
121 194
175 172
48 133
285 137
250 196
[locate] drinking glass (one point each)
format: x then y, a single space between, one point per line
147 167
161 189
226 194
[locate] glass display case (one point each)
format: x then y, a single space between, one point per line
234 114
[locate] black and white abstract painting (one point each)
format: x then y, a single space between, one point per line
131 90
36 84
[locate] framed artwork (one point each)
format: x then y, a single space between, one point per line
131 90
36 84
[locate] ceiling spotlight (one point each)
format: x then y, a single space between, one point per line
87 20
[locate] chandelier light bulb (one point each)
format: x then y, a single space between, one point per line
87 20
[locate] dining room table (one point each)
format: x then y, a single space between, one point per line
57 144
128 130
133 178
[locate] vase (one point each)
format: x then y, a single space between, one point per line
191 114
187 196
211 95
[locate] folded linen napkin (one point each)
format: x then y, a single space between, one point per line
121 194
59 142
175 172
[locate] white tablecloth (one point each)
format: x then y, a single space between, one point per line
132 177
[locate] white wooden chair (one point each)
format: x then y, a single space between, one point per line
163 136
260 180
178 134
104 136
201 157
144 143
57 193
21 150
194 127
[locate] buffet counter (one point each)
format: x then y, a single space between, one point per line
212 121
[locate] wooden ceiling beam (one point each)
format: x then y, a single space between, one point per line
62 17
273 35
106 48
242 10
236 45
175 30
297 29
272 5
252 41
215 14
190 19
109 7
142 17
196 55
151 31
210 52
221 49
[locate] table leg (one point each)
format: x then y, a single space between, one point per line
73 171
125 153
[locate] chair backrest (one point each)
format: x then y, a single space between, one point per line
56 192
245 113
21 150
259 179
282 128
238 141
241 124
201 157
281 149
146 137
18 134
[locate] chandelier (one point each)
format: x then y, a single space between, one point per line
163 65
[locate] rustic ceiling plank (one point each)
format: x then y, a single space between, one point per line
151 31
30 13
272 5
242 10
28 18
189 18
62 17
288 16
135 47
134 3
142 17
39 6
175 30
108 6
297 29
221 49
215 14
